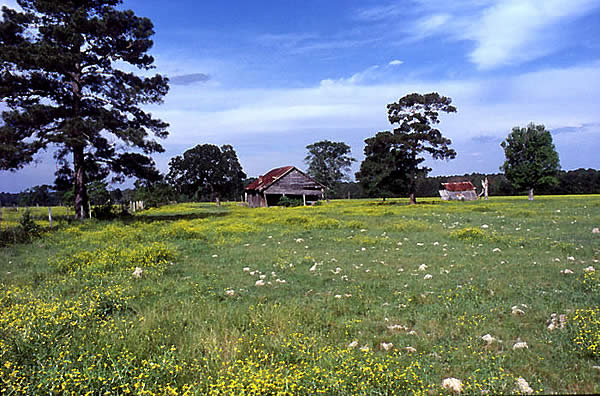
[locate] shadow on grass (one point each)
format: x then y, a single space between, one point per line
396 203
171 217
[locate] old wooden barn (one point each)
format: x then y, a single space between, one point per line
287 181
461 191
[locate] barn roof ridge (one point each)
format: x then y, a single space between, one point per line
273 176
459 186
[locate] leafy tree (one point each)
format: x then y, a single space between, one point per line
531 158
37 195
207 172
383 172
98 193
60 79
329 162
399 152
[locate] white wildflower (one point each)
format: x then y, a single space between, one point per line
523 386
410 349
364 348
397 327
215 255
263 276
338 296
246 269
589 269
386 346
520 345
428 276
353 344
363 249
596 230
571 258
280 280
517 311
453 384
260 282
566 271
485 226
313 268
488 338
137 273
495 250
337 270
229 292
363 230
422 267
299 240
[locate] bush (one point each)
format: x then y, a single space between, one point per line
290 202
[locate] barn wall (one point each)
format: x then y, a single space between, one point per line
295 183
255 199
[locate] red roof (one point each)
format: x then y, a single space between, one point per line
266 180
460 186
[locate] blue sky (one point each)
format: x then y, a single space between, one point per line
270 77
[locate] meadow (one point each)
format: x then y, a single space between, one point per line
349 297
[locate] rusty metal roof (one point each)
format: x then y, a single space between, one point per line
269 178
459 186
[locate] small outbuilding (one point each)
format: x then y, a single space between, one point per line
287 181
460 191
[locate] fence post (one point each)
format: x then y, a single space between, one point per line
50 216
68 217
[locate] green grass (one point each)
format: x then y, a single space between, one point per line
75 318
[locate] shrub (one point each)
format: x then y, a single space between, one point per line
290 202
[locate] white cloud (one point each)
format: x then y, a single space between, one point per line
395 62
485 106
514 31
504 32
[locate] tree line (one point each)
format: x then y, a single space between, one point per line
65 89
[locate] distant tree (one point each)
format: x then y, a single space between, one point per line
416 116
207 172
384 171
37 195
531 158
98 193
60 78
329 163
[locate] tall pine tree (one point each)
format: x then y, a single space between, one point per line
60 78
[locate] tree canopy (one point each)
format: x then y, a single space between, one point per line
395 158
329 162
531 158
207 172
59 77
383 172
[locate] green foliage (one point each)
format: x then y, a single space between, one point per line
393 159
328 163
206 172
63 88
290 202
28 227
531 158
586 325
304 300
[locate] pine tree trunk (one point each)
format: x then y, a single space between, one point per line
411 189
81 198
531 194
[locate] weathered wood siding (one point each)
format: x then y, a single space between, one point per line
256 200
294 183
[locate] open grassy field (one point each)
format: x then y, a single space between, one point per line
350 297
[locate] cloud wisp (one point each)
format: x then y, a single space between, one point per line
187 79
504 32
